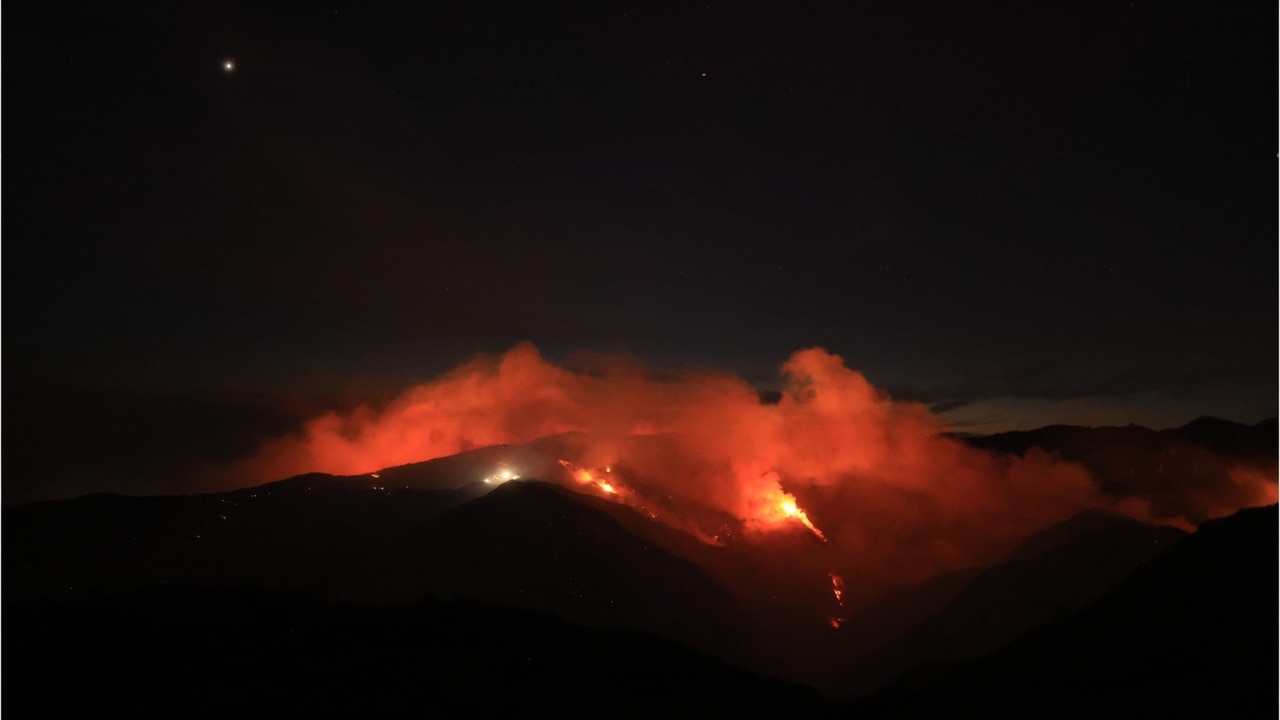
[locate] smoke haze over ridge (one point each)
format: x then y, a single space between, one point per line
896 499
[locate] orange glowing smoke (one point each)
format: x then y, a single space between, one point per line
896 499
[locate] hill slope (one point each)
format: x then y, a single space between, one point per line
196 651
1191 634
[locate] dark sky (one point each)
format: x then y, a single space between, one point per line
1020 213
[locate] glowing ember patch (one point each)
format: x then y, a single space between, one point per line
835 622
585 477
837 587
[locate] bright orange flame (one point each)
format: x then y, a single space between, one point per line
802 517
837 587
777 507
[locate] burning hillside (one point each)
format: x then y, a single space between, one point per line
887 496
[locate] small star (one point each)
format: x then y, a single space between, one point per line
228 66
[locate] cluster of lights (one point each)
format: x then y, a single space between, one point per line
499 478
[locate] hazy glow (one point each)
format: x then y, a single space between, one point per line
500 477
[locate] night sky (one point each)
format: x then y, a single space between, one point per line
1017 214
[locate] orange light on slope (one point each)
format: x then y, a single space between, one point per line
582 475
770 507
837 589
585 477
791 510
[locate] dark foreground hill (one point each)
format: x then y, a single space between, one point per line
526 544
183 652
1053 573
393 537
1191 634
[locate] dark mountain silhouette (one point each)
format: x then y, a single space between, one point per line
889 616
1192 634
1224 437
313 532
1073 529
1185 471
1256 442
524 544
787 605
187 651
538 546
1052 573
394 536
401 533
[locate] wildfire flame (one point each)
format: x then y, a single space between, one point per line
789 507
585 477
777 508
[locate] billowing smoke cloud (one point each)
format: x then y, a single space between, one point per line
894 499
